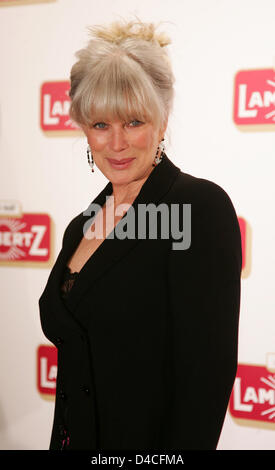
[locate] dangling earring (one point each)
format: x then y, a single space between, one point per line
90 158
159 154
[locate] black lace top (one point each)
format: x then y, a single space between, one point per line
68 281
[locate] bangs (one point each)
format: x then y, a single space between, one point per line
114 90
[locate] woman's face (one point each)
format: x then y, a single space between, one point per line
124 152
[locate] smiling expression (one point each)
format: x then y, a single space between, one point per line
123 151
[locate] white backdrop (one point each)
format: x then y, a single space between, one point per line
48 173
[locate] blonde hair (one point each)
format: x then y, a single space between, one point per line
124 72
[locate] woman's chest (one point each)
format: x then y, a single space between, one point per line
93 237
100 228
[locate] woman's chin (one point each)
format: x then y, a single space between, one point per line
121 179
121 176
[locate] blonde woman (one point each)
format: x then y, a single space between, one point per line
143 310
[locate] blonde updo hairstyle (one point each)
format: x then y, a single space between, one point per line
125 73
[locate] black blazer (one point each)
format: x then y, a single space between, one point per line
147 338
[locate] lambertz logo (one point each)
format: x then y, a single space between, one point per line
254 97
253 395
55 104
46 369
25 238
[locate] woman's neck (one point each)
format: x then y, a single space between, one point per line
127 193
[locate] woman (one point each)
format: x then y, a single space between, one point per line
146 323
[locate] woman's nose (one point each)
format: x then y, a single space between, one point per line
118 140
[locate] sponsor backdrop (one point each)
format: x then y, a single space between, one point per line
221 128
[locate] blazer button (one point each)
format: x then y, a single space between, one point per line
59 341
62 395
62 430
85 389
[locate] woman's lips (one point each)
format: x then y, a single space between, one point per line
120 164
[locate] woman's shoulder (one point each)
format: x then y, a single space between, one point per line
214 218
204 193
211 206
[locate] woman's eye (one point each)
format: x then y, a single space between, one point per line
99 125
135 123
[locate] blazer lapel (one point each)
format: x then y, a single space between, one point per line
112 248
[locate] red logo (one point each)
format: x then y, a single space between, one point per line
55 104
25 238
254 98
253 395
46 369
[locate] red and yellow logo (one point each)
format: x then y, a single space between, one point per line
54 110
254 98
46 370
25 239
253 395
